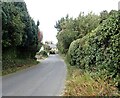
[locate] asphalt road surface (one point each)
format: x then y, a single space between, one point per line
44 79
0 86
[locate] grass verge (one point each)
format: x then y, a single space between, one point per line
17 65
80 83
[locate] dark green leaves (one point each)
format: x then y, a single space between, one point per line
99 51
20 33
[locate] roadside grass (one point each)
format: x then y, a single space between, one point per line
17 65
80 83
63 56
14 65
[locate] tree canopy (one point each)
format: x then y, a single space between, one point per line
70 29
21 36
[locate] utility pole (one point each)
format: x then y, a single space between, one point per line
119 5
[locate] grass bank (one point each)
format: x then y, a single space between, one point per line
17 65
81 83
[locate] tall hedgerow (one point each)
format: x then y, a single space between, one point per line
99 51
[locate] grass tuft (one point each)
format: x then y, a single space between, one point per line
81 83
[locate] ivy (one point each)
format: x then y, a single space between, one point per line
99 51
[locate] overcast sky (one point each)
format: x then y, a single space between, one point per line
49 11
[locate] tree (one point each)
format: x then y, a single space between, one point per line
70 29
20 33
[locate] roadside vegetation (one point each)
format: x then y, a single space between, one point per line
42 55
91 45
17 65
81 83
21 37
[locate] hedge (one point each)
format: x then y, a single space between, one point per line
99 51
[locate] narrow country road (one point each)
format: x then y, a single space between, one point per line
44 79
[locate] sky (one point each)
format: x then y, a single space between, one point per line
50 11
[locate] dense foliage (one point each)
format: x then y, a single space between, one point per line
20 33
71 29
98 51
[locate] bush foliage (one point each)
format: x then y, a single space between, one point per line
99 51
92 43
43 53
71 29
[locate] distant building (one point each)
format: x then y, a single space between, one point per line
53 48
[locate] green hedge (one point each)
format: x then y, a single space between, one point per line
99 51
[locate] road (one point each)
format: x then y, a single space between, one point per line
44 79
0 86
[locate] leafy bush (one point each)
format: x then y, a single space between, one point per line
43 53
99 51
